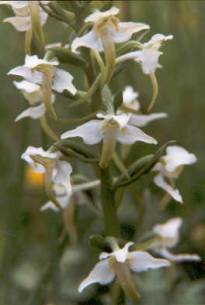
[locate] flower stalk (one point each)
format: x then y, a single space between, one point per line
111 222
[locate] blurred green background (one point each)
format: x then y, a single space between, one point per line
28 238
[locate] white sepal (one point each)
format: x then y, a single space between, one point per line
142 261
160 181
101 274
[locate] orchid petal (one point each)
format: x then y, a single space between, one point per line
32 112
21 24
141 120
25 72
49 206
15 4
179 257
33 61
101 274
126 30
63 81
142 261
121 255
26 86
130 96
149 60
157 40
97 15
89 40
169 229
31 150
174 193
131 134
177 156
90 132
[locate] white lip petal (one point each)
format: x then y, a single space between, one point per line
21 24
63 81
90 132
101 274
32 112
131 134
174 193
97 15
141 120
177 156
49 206
89 40
149 60
142 261
126 30
169 229
179 257
62 183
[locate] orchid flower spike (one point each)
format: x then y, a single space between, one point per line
57 175
22 19
131 105
120 263
109 129
106 25
148 56
169 168
167 236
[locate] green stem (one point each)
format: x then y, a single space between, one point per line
46 128
111 223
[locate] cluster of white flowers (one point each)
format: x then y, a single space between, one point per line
41 79
22 19
33 72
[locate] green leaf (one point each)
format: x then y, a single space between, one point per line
72 149
64 55
141 167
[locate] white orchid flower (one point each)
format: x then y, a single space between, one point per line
34 95
149 54
109 129
170 166
119 263
167 236
59 172
22 19
33 71
131 105
106 24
